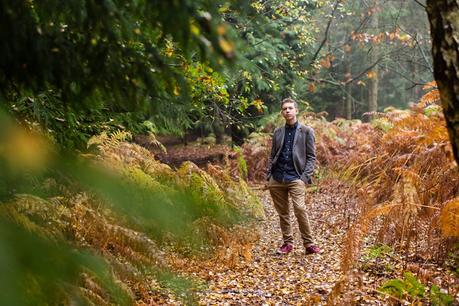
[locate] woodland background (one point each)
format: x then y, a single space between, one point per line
134 138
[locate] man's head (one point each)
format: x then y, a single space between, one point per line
289 110
289 100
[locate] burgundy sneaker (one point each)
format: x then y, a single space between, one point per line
312 249
285 249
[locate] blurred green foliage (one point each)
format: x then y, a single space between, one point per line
411 289
439 298
77 67
69 125
112 49
409 286
377 251
275 40
38 271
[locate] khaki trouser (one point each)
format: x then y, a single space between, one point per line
280 193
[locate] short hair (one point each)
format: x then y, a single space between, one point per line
289 100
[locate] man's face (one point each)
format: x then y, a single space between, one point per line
289 111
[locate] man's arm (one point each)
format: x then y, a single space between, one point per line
310 157
271 156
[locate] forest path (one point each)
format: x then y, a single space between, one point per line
293 279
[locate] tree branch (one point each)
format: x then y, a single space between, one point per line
324 81
327 29
413 82
418 2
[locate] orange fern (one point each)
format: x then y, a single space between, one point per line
449 218
431 97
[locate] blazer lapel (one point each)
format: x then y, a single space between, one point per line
297 132
281 142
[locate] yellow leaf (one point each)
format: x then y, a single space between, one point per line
195 29
176 90
404 38
371 74
258 103
221 30
226 46
169 50
312 87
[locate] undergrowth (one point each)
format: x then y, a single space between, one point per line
189 211
407 184
401 170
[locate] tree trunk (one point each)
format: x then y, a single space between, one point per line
373 88
347 89
219 130
416 93
363 98
373 91
444 29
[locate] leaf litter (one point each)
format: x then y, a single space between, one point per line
298 279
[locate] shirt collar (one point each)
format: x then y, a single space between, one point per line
295 125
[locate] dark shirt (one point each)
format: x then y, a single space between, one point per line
284 169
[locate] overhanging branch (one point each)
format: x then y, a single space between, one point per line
327 29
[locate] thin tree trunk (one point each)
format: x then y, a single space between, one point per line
444 29
347 89
348 50
373 88
417 89
219 130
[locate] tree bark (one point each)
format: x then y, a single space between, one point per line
444 29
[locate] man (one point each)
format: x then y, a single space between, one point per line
291 165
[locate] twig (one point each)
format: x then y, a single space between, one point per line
417 1
326 32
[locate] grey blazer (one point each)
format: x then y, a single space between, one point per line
304 151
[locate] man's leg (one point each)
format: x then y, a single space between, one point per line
297 192
279 194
